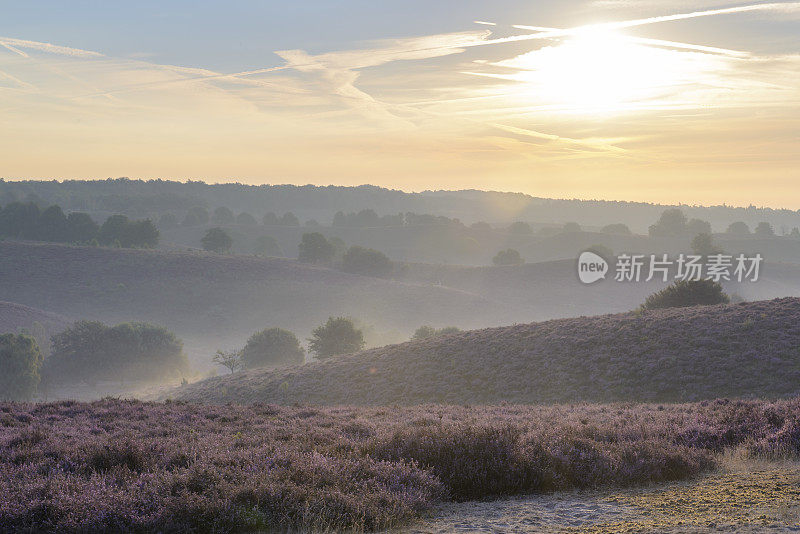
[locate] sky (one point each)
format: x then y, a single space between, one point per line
660 101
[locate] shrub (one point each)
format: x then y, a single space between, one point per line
271 348
337 336
686 293
217 240
508 257
314 248
230 359
366 261
20 365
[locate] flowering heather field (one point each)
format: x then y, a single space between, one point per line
129 466
673 355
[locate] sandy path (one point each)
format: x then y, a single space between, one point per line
743 497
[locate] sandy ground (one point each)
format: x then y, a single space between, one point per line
742 497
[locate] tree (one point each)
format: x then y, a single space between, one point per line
698 226
81 228
289 219
20 366
90 351
686 293
481 227
19 220
571 227
113 230
795 233
314 248
672 223
52 225
703 245
520 228
764 229
267 246
143 234
616 228
245 219
508 257
337 336
425 332
366 261
222 215
272 347
738 228
196 216
231 359
217 240
270 219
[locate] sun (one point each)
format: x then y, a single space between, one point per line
596 70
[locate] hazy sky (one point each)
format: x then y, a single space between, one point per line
663 101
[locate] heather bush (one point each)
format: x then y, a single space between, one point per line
685 293
128 466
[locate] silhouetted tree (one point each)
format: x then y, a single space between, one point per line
20 366
616 228
270 219
337 336
314 248
366 261
19 220
196 216
222 215
81 228
508 257
571 227
245 219
52 225
289 219
520 228
738 228
271 348
698 226
703 245
686 293
217 240
230 359
113 230
672 223
764 229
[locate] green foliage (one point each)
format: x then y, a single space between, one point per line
337 336
217 240
20 366
616 228
272 347
686 293
90 351
703 245
425 332
222 215
196 216
314 248
520 228
764 229
738 228
508 257
245 219
366 261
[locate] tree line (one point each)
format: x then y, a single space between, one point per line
26 221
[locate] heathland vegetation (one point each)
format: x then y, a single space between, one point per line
662 355
127 466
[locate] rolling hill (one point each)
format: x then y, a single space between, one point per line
14 317
689 354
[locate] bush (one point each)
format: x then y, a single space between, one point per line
686 293
90 351
271 348
222 215
217 240
508 257
337 336
20 365
314 248
366 261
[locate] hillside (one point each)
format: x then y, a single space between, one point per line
14 317
744 350
214 301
